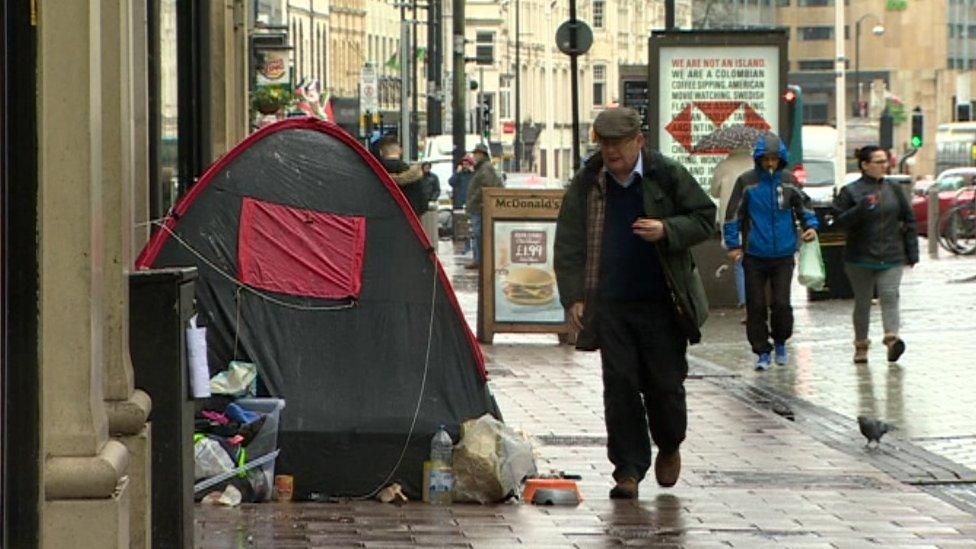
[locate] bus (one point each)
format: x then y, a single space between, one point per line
954 145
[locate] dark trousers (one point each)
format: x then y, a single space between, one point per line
644 369
777 274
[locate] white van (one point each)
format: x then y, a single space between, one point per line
441 147
819 155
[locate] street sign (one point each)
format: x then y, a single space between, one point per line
584 37
368 89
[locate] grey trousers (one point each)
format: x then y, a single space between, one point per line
863 282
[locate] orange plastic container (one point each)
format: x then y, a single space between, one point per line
535 486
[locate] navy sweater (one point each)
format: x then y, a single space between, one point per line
630 269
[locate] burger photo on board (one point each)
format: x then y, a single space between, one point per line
530 286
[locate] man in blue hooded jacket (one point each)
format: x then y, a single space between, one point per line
762 235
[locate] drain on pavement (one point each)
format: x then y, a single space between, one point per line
791 480
572 440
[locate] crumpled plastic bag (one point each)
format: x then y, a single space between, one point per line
239 379
209 458
491 461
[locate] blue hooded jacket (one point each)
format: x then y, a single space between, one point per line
770 205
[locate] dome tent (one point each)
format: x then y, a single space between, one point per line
312 265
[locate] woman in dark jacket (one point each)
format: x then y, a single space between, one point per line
881 240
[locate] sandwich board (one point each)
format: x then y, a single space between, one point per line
518 291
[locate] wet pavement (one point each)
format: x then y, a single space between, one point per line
772 459
930 394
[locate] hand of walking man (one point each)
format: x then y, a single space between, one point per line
808 235
735 256
576 315
650 230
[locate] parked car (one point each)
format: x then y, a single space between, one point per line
955 185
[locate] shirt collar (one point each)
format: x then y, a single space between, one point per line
636 174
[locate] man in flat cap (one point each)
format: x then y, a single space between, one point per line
484 176
631 290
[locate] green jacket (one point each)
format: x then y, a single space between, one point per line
484 176
670 194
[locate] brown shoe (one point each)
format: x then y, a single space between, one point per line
626 488
667 467
861 351
896 347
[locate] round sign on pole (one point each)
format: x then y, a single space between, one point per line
584 37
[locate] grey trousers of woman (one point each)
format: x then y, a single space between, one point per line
863 282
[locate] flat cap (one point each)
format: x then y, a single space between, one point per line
480 147
617 122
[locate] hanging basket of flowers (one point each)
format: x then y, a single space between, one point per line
896 108
271 99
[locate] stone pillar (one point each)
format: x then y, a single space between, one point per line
84 471
122 93
139 124
228 76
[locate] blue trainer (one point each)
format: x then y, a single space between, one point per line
763 363
781 355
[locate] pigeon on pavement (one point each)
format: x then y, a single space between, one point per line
873 429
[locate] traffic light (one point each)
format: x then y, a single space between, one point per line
918 124
793 97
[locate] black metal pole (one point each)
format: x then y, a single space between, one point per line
857 68
574 86
435 58
669 14
518 88
457 77
414 106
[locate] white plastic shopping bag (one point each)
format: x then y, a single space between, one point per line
812 273
196 350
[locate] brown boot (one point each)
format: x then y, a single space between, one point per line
667 467
626 488
895 347
861 351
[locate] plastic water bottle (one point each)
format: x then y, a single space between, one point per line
442 448
441 479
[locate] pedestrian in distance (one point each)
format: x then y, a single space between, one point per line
724 177
882 239
628 282
407 177
431 184
762 235
460 181
484 177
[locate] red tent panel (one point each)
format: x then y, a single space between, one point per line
301 252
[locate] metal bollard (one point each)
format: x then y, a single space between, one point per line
933 221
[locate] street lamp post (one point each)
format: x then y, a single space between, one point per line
878 30
518 90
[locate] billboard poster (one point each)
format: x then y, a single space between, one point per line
705 85
525 281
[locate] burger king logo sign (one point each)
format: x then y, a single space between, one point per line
273 68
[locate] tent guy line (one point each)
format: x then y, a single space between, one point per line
240 286
420 395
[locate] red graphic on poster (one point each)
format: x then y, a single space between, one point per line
718 112
680 127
